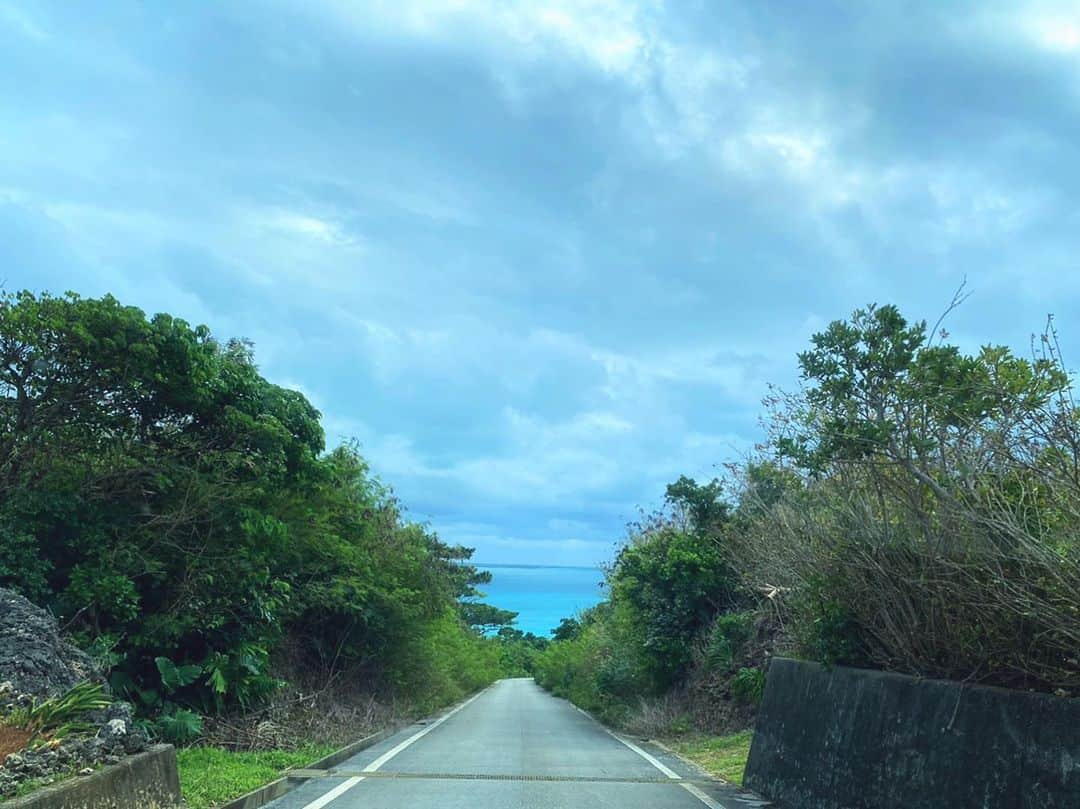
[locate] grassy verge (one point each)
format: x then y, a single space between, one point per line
722 756
212 775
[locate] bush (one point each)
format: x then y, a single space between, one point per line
444 662
748 685
671 578
929 517
729 634
178 726
667 585
597 670
60 715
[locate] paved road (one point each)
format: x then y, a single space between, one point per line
513 747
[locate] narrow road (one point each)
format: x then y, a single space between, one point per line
513 746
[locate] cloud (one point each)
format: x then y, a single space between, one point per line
540 258
307 227
602 33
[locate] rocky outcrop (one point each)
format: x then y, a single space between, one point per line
36 663
34 658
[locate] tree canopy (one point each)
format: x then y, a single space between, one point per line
171 504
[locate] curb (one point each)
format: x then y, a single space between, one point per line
146 780
287 783
290 781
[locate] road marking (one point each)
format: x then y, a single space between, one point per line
389 754
666 770
340 789
701 796
345 786
468 776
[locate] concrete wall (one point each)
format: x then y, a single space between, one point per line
148 780
847 739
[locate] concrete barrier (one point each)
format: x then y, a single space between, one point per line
147 780
847 739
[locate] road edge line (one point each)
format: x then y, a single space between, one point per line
666 770
701 796
334 793
389 754
649 757
344 787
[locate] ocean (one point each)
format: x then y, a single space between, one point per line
542 596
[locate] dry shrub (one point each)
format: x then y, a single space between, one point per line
654 717
12 740
963 590
320 704
924 513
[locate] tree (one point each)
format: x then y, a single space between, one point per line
568 629
879 392
702 504
177 510
485 617
667 582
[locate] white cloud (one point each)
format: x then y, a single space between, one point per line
1059 34
494 547
604 33
496 342
305 226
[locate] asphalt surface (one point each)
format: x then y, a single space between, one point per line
513 746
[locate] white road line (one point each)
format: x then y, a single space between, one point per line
345 786
701 796
340 789
666 770
389 754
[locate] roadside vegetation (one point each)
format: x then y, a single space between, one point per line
722 756
914 509
210 775
242 585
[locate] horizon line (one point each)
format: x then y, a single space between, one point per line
511 564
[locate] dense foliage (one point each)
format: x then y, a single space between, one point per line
931 525
667 584
914 509
180 515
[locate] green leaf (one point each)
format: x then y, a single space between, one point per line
217 681
149 696
173 676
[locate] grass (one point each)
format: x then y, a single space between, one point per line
722 756
211 775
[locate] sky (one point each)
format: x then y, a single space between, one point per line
540 258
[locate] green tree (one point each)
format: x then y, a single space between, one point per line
568 629
486 617
178 509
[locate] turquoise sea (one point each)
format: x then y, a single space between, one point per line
542 596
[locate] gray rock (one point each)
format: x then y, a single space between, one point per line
34 658
36 663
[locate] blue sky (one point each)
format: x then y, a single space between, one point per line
540 258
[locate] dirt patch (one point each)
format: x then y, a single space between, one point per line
12 740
